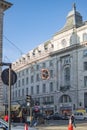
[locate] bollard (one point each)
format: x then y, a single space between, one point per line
70 126
26 126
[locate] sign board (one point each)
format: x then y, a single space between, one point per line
5 77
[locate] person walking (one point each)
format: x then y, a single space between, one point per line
73 120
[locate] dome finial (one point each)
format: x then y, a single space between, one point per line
74 6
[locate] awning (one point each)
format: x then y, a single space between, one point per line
81 110
66 108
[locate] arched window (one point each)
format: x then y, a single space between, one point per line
65 98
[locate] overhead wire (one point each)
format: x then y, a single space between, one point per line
21 52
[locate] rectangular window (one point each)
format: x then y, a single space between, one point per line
38 101
37 67
37 89
32 79
85 65
44 100
27 80
27 71
50 63
26 91
16 93
37 77
22 82
48 99
23 92
32 90
19 93
18 83
44 64
52 99
51 73
51 87
44 88
85 81
32 69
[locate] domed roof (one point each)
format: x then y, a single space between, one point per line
74 19
73 11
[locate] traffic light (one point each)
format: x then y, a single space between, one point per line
28 100
45 74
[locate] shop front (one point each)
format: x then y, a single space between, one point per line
66 110
48 109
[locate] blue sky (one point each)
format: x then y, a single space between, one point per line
29 23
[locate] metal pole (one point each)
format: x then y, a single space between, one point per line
30 114
9 99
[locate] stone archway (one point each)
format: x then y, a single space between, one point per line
65 104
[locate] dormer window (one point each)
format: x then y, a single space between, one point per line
39 51
28 56
23 58
45 48
63 42
33 53
46 44
52 45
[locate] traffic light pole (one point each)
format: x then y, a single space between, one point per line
29 100
30 114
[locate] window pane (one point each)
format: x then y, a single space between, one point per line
85 65
85 81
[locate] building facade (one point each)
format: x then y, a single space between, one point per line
4 5
65 57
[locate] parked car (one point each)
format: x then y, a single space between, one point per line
58 116
49 117
80 116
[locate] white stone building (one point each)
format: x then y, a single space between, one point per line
65 56
4 5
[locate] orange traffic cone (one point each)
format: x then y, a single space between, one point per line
70 126
26 127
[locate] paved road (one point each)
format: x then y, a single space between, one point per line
62 125
58 125
61 128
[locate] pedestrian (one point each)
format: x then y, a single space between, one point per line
73 120
6 118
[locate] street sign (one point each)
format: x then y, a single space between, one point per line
5 77
45 74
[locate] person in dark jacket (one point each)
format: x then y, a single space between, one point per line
73 120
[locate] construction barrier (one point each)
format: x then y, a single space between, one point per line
70 126
26 126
